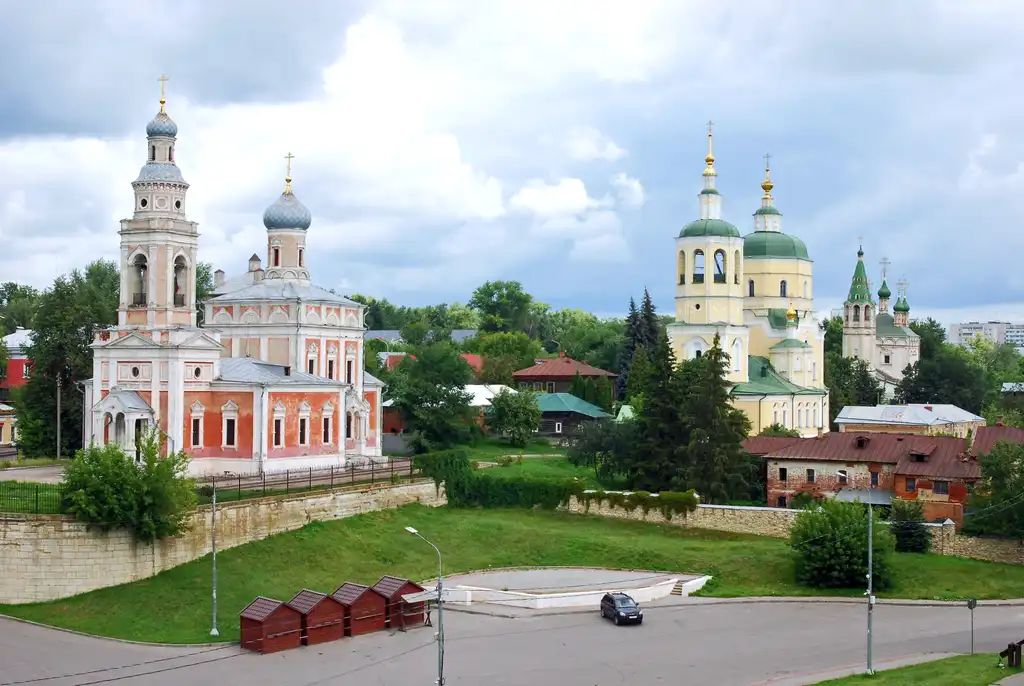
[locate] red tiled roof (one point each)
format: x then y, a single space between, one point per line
389 586
261 608
305 600
987 437
762 445
873 447
560 367
475 361
349 592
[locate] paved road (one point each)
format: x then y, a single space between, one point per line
42 475
724 645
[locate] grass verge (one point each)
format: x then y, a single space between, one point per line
491 448
552 467
174 606
963 670
32 462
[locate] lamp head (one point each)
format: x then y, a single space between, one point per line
411 530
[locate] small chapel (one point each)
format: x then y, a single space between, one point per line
871 333
275 378
756 292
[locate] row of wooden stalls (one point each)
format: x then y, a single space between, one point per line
311 617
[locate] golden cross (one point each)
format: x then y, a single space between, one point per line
288 174
163 80
767 159
711 127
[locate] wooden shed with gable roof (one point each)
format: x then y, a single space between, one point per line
268 626
400 614
323 617
365 608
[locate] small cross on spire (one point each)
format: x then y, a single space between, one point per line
288 173
711 128
767 162
163 99
885 266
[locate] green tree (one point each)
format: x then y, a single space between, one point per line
717 465
204 289
906 521
932 334
18 307
504 353
850 382
831 545
640 371
779 430
105 488
427 388
833 328
60 350
950 376
999 493
629 349
1000 363
608 447
515 415
502 306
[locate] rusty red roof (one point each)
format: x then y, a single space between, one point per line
987 437
305 600
349 592
261 608
389 586
561 367
762 445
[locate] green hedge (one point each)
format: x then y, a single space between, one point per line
468 487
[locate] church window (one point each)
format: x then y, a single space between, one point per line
814 371
278 433
737 356
798 364
682 267
348 425
750 288
328 426
229 433
197 372
180 280
275 256
867 313
330 369
349 370
152 153
782 288
197 432
886 360
816 422
301 260
806 290
138 280
303 431
170 154
143 203
736 268
135 372
856 313
698 266
229 425
698 353
177 204
719 266
775 418
311 365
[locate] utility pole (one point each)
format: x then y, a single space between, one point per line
58 414
871 597
440 607
213 529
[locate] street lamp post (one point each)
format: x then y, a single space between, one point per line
440 609
213 531
871 550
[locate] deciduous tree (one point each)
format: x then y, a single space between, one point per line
831 546
932 334
950 376
502 306
515 415
999 494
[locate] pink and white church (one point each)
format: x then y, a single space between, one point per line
275 378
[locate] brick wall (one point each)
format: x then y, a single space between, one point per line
51 557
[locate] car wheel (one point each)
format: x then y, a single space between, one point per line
616 620
640 621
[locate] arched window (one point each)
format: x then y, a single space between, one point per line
720 266
867 313
784 415
301 256
698 266
847 315
275 256
775 415
138 280
798 364
736 267
180 281
782 288
170 154
799 416
682 267
856 313
152 153
750 288
698 353
806 289
737 356
815 415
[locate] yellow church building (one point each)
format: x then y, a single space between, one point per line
757 293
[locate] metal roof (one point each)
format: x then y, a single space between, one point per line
305 600
349 592
906 415
559 368
875 496
763 445
250 370
261 608
389 586
129 401
272 290
395 335
19 340
987 436
567 402
862 446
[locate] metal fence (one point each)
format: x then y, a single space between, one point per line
20 497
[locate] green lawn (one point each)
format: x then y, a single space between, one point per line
174 606
491 448
32 462
555 467
964 670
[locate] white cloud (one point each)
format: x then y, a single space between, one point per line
629 191
567 197
587 144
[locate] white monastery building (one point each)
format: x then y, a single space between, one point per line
274 381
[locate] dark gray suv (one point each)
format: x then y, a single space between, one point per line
621 608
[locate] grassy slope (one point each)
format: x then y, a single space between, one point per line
555 467
964 670
175 606
491 448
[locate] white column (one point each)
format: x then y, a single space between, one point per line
364 425
260 437
175 401
154 392
265 348
152 266
342 446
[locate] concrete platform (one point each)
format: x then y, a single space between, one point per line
563 587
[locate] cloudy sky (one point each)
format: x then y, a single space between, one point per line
442 143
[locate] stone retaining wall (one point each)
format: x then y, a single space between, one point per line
52 556
775 522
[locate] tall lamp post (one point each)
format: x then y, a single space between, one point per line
871 550
440 609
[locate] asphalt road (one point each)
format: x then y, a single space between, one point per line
42 475
723 645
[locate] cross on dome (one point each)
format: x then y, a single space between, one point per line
163 97
288 173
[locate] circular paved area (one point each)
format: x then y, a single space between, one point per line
562 580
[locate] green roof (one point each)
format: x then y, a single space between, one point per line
859 292
710 227
901 305
767 210
710 191
790 343
885 327
764 380
567 402
773 244
884 291
777 318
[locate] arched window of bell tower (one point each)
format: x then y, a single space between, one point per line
152 153
137 274
856 313
720 266
682 267
736 267
782 288
698 266
750 288
180 280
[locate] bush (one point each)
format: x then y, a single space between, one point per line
667 502
831 546
489 490
104 487
907 525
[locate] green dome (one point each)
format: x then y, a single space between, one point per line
709 227
884 291
767 210
901 305
773 244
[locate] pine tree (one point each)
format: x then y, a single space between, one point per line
639 374
716 465
649 326
628 349
664 430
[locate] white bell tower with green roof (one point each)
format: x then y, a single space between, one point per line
859 316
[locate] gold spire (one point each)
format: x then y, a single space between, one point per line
710 159
288 174
767 184
163 99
